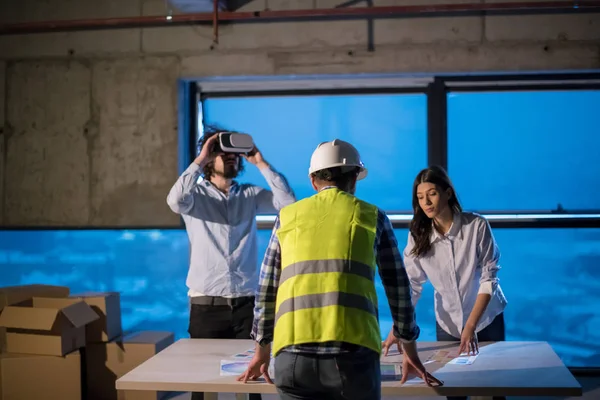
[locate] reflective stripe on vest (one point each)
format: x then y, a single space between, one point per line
327 290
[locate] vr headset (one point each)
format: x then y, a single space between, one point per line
234 142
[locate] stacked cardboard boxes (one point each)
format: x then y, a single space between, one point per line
40 346
69 346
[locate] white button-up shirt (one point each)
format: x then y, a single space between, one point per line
222 230
460 265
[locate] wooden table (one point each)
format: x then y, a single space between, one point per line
501 369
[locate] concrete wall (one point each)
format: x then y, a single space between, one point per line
90 129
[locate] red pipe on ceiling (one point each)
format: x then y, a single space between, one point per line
267 15
216 21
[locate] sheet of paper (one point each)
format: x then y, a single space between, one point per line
463 360
245 355
391 369
449 357
393 357
233 367
442 356
239 366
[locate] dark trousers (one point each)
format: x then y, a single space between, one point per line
348 376
222 322
494 332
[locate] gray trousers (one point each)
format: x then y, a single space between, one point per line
348 376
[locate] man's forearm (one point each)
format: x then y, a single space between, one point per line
263 351
265 300
201 161
410 348
179 197
277 182
264 325
280 195
263 165
481 303
263 332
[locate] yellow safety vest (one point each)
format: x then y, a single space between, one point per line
327 288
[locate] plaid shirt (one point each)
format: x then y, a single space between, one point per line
392 273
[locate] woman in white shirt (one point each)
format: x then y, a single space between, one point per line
457 252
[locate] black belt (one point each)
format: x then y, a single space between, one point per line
220 301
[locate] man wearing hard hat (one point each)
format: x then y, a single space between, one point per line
316 304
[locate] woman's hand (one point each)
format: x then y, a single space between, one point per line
468 342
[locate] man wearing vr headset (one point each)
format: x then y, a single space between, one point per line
219 215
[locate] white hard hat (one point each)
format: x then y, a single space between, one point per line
336 153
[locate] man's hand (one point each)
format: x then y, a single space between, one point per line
207 153
412 366
468 342
259 365
389 342
255 157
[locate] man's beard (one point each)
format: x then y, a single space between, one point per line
229 171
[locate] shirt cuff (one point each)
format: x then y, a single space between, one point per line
486 288
415 335
262 340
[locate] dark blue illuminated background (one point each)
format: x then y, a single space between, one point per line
526 151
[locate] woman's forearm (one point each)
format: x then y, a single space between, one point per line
481 303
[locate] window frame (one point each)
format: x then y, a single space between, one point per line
533 82
436 88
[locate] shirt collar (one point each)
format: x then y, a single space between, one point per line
208 183
327 187
455 231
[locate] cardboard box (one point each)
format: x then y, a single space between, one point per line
107 362
46 331
21 295
106 304
27 377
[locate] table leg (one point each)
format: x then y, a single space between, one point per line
242 396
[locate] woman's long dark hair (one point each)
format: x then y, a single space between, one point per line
421 225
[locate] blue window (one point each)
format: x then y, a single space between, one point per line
390 132
524 151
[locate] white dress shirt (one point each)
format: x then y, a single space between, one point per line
222 230
460 265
